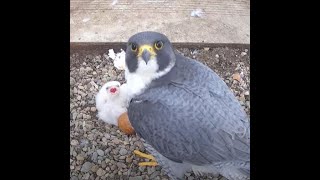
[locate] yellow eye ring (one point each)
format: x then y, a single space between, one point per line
133 47
158 45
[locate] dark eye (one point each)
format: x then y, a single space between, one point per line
158 45
133 47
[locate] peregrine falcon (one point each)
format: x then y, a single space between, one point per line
186 114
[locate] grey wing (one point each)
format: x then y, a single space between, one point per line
201 80
176 122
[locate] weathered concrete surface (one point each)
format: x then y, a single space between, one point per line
223 21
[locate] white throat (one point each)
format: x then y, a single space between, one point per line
139 80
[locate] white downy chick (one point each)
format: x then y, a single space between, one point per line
111 102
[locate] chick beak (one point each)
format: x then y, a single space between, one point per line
113 90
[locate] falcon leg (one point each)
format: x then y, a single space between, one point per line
147 156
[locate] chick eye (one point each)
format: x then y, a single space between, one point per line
158 45
133 47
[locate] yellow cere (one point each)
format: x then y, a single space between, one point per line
148 48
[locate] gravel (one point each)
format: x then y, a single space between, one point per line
101 151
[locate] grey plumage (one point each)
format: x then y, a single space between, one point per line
191 120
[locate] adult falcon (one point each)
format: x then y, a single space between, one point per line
186 114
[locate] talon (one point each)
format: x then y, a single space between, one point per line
141 154
152 163
148 156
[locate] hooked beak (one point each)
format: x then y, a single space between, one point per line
146 56
146 52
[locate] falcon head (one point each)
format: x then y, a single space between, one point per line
109 91
149 54
111 88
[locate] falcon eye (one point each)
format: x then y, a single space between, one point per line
133 47
158 45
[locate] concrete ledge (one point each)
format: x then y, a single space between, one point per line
100 48
223 21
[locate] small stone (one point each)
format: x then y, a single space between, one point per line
242 98
74 115
107 136
151 170
94 156
140 145
86 176
247 93
90 137
74 142
122 157
154 174
116 141
94 168
91 177
121 165
243 53
93 109
206 48
237 77
100 152
103 164
80 158
248 104
75 90
74 153
113 167
123 151
217 55
80 87
107 169
135 178
107 160
86 167
89 69
74 178
101 172
72 81
142 168
129 160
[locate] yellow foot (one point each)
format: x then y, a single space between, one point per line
151 163
141 154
